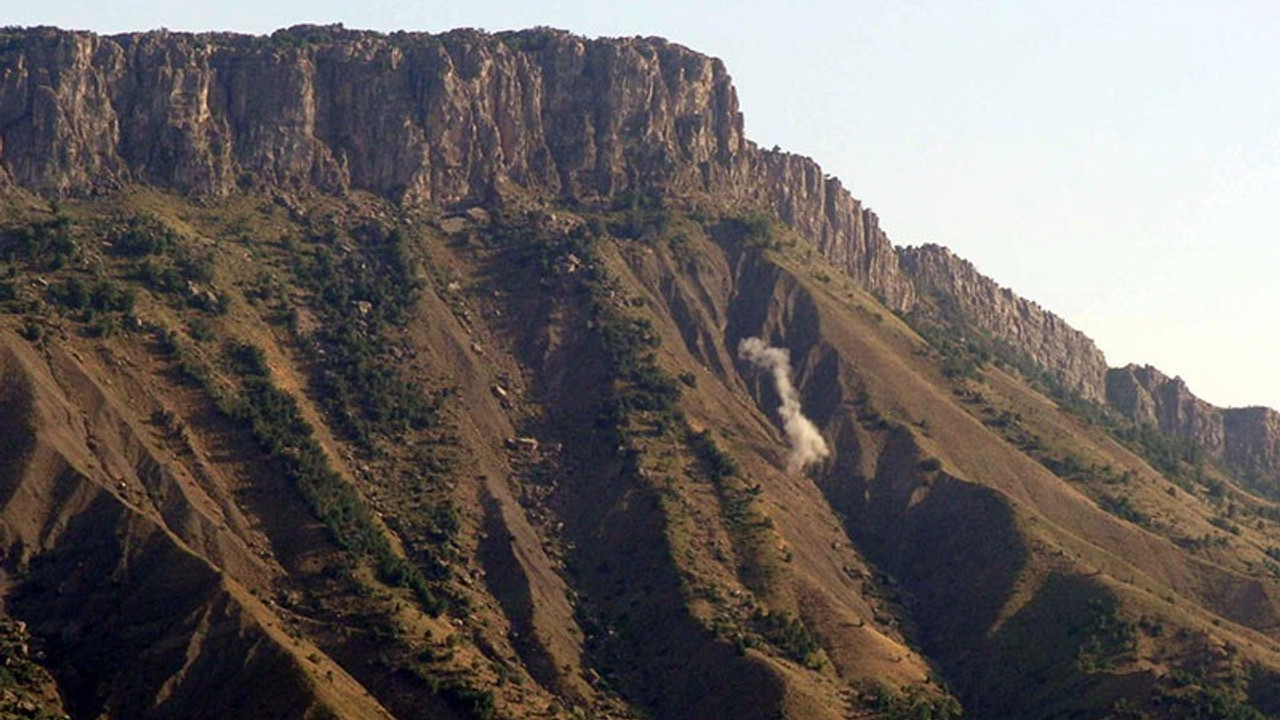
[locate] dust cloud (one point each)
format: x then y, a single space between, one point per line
807 445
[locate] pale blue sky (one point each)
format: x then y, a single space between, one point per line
1118 162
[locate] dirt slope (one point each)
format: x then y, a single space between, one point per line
306 456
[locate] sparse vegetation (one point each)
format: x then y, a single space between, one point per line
459 691
641 406
352 288
139 236
751 229
1121 506
1195 694
288 440
789 634
639 216
719 465
643 386
912 703
965 350
31 330
1106 638
99 295
930 465
363 286
42 245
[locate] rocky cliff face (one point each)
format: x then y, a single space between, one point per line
843 230
306 452
459 117
1252 445
1246 441
1030 329
1149 397
423 119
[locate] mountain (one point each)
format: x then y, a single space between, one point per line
1245 441
350 375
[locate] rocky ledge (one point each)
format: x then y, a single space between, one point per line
424 119
1245 441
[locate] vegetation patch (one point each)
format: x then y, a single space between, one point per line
289 442
1122 507
41 245
911 703
1201 695
459 691
966 350
363 283
789 634
750 530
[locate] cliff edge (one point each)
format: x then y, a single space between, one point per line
423 119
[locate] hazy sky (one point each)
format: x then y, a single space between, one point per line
1117 162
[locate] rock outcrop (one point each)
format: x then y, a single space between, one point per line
463 116
1252 446
424 119
1245 441
1031 330
844 231
1149 397
454 441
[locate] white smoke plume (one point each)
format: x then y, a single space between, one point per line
807 445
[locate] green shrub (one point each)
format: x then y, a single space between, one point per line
360 297
100 294
930 465
789 634
202 330
1121 506
8 284
248 359
753 229
43 244
718 464
910 704
141 235
104 326
288 440
31 330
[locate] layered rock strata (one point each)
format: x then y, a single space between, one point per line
1245 441
426 119
457 117
1037 333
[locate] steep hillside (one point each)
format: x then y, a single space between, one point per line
1245 441
968 298
427 388
973 321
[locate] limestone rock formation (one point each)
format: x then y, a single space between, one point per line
420 118
460 117
340 383
1149 397
1037 333
1252 446
1246 441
